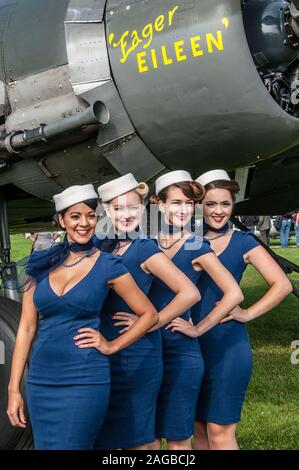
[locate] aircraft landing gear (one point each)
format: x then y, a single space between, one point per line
8 271
10 309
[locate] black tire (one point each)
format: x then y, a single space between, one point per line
10 438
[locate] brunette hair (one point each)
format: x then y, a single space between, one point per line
191 190
231 186
91 203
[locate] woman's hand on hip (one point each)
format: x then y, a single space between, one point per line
238 314
90 338
124 319
183 326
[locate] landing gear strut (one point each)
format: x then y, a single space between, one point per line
10 310
8 270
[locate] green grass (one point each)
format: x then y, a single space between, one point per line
21 247
270 417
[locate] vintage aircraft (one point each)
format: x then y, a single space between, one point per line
90 89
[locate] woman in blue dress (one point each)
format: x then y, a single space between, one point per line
69 375
176 196
136 372
225 348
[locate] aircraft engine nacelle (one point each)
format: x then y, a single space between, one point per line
189 77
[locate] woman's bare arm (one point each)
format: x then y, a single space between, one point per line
128 290
186 292
232 296
25 336
280 286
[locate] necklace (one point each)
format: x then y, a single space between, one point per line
218 236
168 247
87 254
119 247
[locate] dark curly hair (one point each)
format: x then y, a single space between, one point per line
191 189
91 203
231 186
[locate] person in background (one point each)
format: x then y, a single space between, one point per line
295 218
264 226
285 230
42 240
30 236
249 221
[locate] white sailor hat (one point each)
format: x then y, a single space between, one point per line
213 175
173 177
122 185
74 195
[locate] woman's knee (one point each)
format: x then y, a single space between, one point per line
179 445
222 435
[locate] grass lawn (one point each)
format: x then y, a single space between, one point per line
271 411
20 247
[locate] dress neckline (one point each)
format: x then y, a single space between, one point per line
128 249
228 244
78 283
178 251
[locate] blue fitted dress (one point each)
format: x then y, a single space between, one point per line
225 348
68 387
136 372
182 361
